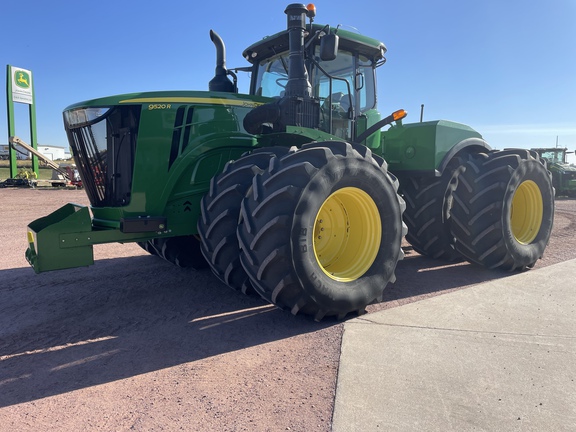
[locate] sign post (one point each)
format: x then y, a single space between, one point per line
19 89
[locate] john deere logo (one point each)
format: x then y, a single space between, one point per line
22 79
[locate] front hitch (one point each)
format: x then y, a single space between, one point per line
49 246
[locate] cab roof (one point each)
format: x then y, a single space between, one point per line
349 41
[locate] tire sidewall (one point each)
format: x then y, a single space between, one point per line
339 173
536 172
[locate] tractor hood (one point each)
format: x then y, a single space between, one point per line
114 136
564 167
149 99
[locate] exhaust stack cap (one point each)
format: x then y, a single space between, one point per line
297 13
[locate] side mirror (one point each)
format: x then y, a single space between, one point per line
359 82
329 47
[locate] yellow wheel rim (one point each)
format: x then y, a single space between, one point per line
347 234
527 209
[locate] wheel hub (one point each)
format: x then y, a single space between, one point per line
347 234
526 213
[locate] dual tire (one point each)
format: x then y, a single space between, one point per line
503 209
318 231
494 209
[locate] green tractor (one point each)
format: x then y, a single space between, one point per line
293 191
563 173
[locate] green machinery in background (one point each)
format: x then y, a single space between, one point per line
563 173
294 191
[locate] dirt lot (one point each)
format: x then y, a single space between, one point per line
133 343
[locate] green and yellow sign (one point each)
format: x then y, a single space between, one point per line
21 85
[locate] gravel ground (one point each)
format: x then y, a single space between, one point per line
133 343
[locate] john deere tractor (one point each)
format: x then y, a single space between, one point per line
295 191
563 173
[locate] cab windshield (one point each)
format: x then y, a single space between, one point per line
345 87
554 156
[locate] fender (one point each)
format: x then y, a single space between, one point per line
469 145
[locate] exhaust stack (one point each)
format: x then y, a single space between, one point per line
220 82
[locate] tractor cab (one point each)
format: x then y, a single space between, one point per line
555 155
334 70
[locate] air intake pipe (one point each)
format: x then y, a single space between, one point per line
298 84
297 107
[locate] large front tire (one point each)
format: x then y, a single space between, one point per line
321 230
503 209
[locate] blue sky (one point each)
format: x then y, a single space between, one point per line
507 68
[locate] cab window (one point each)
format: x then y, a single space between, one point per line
344 86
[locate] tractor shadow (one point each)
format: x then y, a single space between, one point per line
72 329
419 277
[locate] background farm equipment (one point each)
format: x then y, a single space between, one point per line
63 174
563 173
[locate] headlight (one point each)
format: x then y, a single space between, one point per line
83 116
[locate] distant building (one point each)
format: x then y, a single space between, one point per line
54 152
20 152
50 151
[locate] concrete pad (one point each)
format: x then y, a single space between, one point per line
500 356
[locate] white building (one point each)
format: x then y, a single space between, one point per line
54 152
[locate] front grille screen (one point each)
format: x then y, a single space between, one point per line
104 152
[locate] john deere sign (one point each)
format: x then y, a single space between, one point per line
21 85
19 88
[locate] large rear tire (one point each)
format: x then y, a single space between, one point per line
321 230
428 203
503 209
220 211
